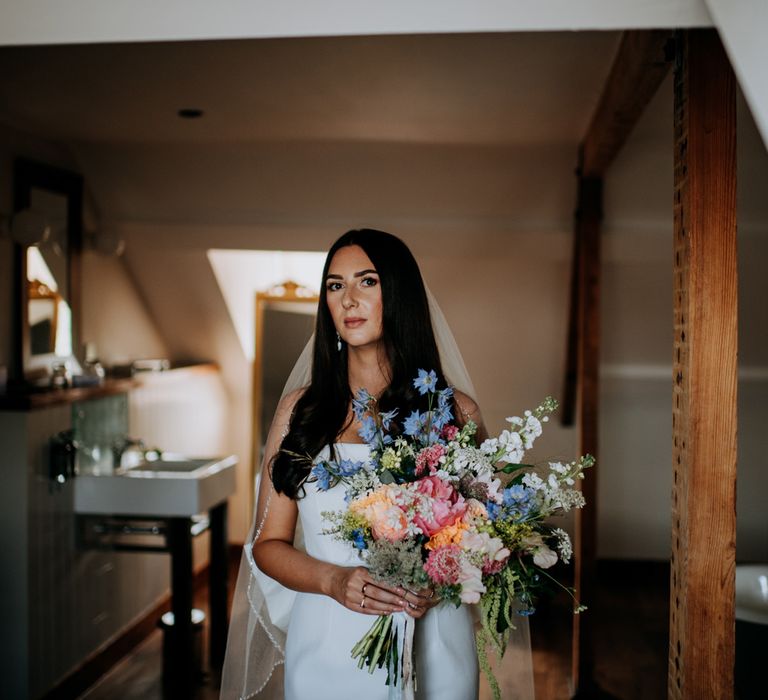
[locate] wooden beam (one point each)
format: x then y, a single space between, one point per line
641 64
588 220
701 653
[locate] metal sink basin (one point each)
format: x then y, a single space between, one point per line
172 486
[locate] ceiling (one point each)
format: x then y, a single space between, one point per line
461 88
359 128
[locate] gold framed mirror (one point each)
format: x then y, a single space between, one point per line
43 317
284 321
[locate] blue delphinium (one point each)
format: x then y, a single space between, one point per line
518 501
322 475
444 396
358 539
441 416
327 474
368 429
517 504
387 417
349 468
360 403
426 381
413 423
494 510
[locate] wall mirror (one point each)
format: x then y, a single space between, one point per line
47 273
285 319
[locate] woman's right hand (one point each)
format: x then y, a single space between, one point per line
357 590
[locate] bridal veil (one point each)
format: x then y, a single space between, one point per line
261 607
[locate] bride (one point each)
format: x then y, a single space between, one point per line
308 605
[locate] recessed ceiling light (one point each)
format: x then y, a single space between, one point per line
190 113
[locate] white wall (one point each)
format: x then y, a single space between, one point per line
635 471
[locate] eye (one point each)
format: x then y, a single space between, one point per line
369 281
333 286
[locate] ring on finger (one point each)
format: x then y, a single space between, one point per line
362 602
365 585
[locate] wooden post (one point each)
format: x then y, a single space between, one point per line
701 654
641 64
588 219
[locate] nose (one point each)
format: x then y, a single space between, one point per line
349 300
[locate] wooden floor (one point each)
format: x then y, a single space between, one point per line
630 619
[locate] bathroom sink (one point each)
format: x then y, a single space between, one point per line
174 486
752 593
172 467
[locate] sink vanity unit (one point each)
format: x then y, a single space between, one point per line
173 486
165 498
80 542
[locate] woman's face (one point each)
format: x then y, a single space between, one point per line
353 293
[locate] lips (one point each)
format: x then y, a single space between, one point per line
353 322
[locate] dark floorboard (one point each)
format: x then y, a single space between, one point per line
630 618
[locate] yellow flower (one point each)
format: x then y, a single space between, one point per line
389 459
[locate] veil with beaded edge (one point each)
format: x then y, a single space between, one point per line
261 607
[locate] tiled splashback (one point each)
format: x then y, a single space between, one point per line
98 425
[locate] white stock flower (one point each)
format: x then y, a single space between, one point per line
533 481
530 431
558 467
513 446
490 446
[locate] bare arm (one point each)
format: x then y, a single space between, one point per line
275 555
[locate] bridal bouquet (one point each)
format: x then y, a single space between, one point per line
434 509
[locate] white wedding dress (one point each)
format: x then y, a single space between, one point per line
321 633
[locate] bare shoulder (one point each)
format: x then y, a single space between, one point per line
467 406
468 409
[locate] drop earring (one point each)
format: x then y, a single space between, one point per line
338 341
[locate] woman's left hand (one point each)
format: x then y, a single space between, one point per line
418 602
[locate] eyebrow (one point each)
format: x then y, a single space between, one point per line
357 274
